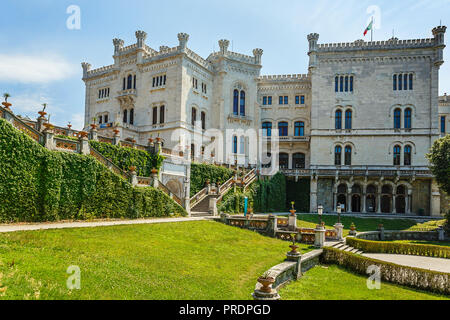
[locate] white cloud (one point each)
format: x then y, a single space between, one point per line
34 69
77 121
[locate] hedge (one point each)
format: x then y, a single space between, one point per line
399 248
299 192
41 185
233 202
124 157
271 194
202 172
413 277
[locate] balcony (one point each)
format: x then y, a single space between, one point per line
289 138
247 120
361 171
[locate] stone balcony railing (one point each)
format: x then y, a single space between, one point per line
364 171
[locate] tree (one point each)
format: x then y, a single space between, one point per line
439 158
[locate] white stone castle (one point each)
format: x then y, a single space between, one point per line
358 124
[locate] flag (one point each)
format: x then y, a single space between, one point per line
368 28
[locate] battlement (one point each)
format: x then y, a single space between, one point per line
99 71
288 77
393 43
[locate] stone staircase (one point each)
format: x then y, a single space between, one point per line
201 209
343 247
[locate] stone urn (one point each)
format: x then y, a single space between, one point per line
154 171
158 140
93 126
48 126
42 114
69 126
294 248
132 168
116 131
6 105
266 284
83 134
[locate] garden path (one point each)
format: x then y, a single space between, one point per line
429 263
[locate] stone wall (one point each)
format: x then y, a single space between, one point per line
421 197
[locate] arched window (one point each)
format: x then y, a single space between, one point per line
348 119
397 118
299 129
242 104
407 155
267 129
348 156
400 82
155 115
124 83
283 129
203 118
161 114
299 161
346 84
236 102
337 155
338 121
235 144
132 116
125 116
341 87
397 151
408 122
336 84
284 161
394 79
193 116
130 82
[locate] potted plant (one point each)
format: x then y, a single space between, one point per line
154 171
293 247
132 168
6 104
293 211
266 280
42 113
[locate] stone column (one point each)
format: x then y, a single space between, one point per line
435 205
394 204
349 200
441 234
213 206
313 195
292 222
49 143
334 201
319 239
155 181
158 146
363 200
381 229
40 121
84 143
94 134
378 203
407 203
272 225
116 138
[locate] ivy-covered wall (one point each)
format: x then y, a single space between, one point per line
41 185
271 195
202 172
233 202
124 157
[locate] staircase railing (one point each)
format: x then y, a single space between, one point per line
197 198
162 187
108 163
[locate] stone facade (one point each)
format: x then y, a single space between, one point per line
386 93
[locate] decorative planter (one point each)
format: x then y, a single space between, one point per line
48 126
158 140
266 284
154 171
292 212
116 131
294 248
42 114
69 126
6 105
93 126
83 134
132 168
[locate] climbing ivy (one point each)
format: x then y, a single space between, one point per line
41 185
202 172
271 194
124 157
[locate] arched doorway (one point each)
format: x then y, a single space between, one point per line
386 196
400 200
342 196
371 198
175 187
356 198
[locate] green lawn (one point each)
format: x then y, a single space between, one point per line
190 260
335 283
365 224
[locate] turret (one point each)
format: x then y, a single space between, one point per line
439 34
118 45
183 38
223 45
140 38
312 39
257 53
86 68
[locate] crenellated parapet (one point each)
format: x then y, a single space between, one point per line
223 45
285 77
257 53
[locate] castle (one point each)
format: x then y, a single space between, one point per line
357 125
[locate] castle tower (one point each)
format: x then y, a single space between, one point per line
312 39
439 34
257 53
183 39
223 45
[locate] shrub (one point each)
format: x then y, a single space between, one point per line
399 248
124 157
271 194
413 277
202 172
41 185
233 202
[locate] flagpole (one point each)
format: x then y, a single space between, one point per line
371 32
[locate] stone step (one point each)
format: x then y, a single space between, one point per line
343 247
340 245
349 249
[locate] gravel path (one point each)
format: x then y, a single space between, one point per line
436 264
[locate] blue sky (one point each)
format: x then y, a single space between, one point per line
40 57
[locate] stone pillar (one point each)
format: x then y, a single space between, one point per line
116 138
319 239
292 222
334 201
84 144
94 134
378 203
272 225
441 234
363 200
155 181
394 204
313 195
40 121
133 178
213 206
435 205
381 229
408 202
349 200
158 146
49 143
339 227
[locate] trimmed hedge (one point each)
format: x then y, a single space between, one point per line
413 277
399 248
41 185
124 157
202 172
271 194
233 202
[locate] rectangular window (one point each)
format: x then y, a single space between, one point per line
286 100
336 84
346 84
443 129
269 100
264 101
394 80
297 99
100 120
161 114
281 100
155 115
302 99
106 118
351 84
400 82
411 81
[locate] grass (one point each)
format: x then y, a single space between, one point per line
336 283
190 260
365 224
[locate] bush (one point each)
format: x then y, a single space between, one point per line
399 248
41 185
271 194
403 275
202 172
233 202
124 157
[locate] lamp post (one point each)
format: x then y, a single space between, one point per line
320 212
339 210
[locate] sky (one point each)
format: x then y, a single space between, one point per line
42 47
